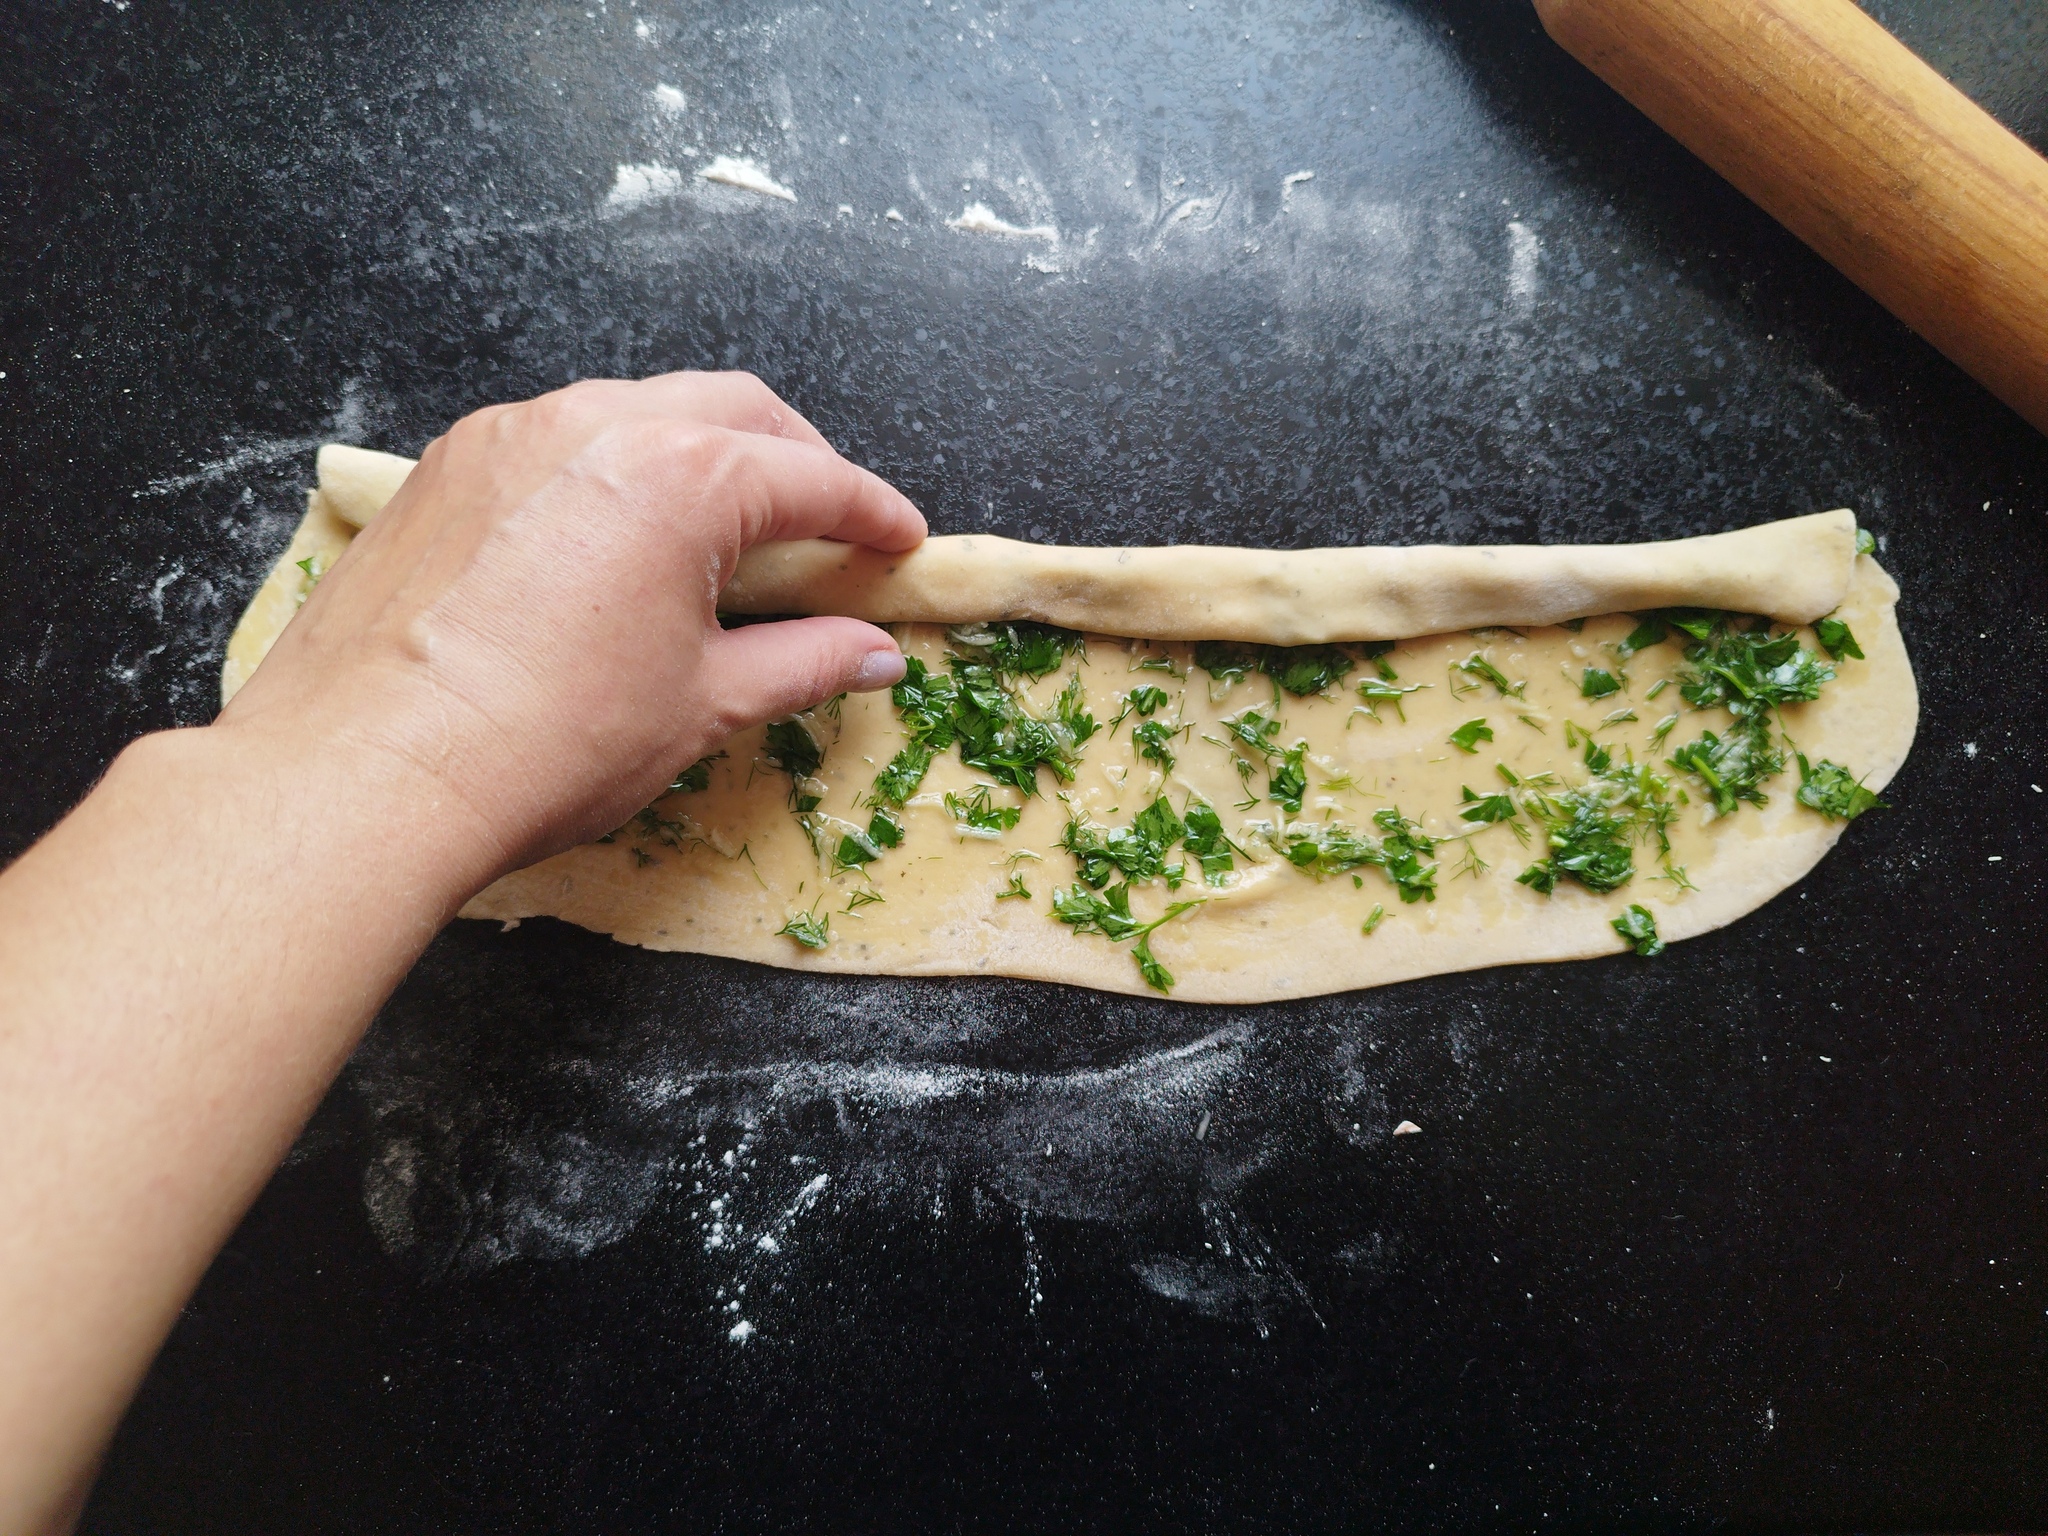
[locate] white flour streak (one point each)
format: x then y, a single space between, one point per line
635 185
348 423
1289 182
669 100
735 171
771 1240
980 219
251 457
1524 248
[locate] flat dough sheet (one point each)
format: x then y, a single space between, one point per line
734 865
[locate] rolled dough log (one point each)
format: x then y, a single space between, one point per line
1795 570
720 871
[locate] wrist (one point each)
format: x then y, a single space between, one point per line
372 820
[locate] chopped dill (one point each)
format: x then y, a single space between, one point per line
696 778
808 929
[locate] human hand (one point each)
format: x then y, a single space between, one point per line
529 627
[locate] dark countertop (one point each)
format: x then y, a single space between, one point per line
1749 1236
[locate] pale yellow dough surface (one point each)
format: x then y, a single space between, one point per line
1274 932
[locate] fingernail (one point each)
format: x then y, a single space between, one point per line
878 669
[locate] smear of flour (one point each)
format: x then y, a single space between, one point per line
669 100
349 421
736 171
1294 179
980 219
636 185
1524 248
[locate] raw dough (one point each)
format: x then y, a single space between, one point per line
1795 571
745 866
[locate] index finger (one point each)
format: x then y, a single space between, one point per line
781 490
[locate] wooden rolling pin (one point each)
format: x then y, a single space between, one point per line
1842 134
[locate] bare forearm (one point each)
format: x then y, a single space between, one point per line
190 956
517 655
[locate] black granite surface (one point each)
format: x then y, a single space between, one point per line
1749 1236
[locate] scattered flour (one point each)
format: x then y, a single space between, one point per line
669 100
1524 247
635 185
980 219
736 171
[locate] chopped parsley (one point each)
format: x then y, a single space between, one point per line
1591 829
1866 542
791 747
1476 665
977 816
1145 700
1598 683
1137 852
1381 690
1016 890
1837 640
1109 914
1297 669
1203 838
1287 783
1330 848
1639 929
1152 739
1466 738
1651 631
1018 649
1751 673
1834 791
1485 809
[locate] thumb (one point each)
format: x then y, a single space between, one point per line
765 671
